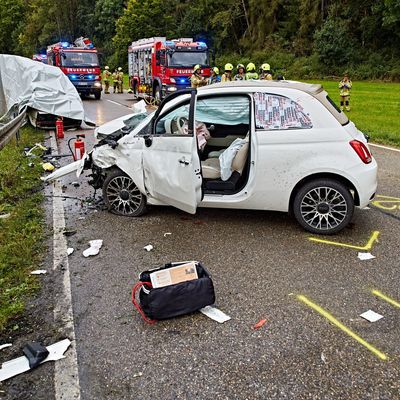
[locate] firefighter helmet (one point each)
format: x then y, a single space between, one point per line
240 66
228 67
196 67
107 67
215 70
119 69
265 67
250 67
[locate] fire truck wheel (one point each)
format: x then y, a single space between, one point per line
97 95
122 196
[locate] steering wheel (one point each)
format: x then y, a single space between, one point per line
181 122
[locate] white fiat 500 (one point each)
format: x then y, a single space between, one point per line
281 146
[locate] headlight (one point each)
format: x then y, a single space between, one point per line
171 89
97 84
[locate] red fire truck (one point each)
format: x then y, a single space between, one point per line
158 67
80 63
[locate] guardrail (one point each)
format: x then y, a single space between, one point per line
10 128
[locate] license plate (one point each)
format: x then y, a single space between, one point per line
82 83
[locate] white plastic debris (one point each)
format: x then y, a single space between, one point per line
39 272
21 364
4 216
93 250
365 256
371 316
70 250
149 247
4 346
137 374
215 314
167 234
323 358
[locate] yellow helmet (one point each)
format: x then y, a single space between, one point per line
215 70
240 66
119 69
107 67
250 67
228 67
265 67
196 67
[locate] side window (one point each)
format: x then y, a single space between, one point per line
273 112
174 122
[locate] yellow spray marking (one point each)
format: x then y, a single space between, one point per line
344 328
387 202
368 246
386 298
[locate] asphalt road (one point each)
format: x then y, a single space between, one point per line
260 262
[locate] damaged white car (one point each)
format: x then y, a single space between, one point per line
281 146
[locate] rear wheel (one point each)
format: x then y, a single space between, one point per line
323 206
122 196
97 95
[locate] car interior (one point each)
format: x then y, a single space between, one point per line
223 133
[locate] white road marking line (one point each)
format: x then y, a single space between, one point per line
118 104
66 376
384 147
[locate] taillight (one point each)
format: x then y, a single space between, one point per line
362 151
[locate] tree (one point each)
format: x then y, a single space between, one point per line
12 17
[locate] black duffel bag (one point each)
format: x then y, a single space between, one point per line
173 300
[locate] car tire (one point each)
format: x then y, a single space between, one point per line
323 206
122 196
97 95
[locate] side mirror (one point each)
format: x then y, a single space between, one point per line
148 140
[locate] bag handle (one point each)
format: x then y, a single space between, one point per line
135 289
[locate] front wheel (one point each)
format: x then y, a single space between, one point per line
97 95
122 196
323 206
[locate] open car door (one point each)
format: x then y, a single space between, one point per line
171 163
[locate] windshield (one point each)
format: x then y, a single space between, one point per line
79 59
187 59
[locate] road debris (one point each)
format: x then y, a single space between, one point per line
137 374
48 166
76 184
371 316
21 364
167 234
259 324
4 346
365 256
69 232
4 216
323 358
149 247
93 250
39 272
35 353
215 314
70 250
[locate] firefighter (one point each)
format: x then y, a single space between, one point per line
227 76
120 80
265 72
214 78
345 87
196 79
251 71
115 80
241 73
106 79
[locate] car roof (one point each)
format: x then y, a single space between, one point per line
310 88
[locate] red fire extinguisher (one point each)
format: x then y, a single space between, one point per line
78 147
60 128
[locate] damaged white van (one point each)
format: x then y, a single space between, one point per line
281 146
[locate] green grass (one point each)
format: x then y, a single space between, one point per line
21 235
375 108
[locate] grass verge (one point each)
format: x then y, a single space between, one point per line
22 233
375 108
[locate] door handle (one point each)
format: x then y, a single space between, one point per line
183 161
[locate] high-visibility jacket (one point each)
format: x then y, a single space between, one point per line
251 75
120 76
115 77
106 75
345 87
265 77
197 81
226 78
214 79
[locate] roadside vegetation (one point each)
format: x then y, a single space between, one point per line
22 233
